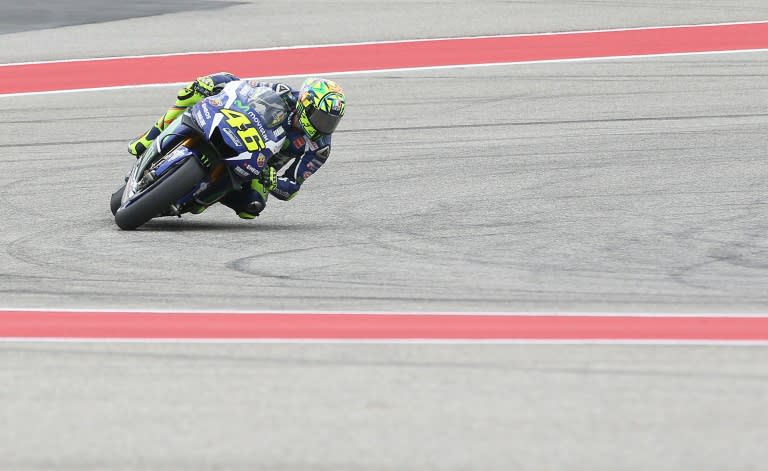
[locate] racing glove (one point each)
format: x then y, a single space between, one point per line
204 86
268 178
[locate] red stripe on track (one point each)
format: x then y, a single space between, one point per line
125 325
52 76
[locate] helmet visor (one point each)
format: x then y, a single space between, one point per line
323 122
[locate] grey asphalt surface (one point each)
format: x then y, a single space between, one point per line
613 186
628 186
382 407
33 15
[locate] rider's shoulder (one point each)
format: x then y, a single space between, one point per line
278 87
321 146
324 140
284 91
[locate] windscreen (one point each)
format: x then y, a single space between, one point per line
268 105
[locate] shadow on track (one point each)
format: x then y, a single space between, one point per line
191 226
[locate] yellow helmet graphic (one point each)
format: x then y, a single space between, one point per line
320 106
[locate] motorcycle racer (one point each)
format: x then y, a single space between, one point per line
316 110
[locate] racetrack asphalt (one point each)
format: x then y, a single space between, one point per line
33 15
634 185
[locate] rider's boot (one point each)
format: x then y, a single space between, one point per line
187 97
197 208
137 146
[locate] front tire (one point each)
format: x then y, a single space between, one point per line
116 199
158 199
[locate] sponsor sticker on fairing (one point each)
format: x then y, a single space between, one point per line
177 152
257 121
203 186
232 136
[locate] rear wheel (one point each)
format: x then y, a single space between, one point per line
164 193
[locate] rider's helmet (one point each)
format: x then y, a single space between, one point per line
320 107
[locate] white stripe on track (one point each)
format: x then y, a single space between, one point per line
597 342
390 313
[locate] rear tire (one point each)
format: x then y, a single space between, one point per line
163 195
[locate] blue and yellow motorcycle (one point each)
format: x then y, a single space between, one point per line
217 146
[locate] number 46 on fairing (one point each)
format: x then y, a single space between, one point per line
250 136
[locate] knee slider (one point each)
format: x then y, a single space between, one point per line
252 210
255 207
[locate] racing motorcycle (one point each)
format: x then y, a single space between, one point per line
220 144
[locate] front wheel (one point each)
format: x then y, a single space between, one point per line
164 193
115 200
